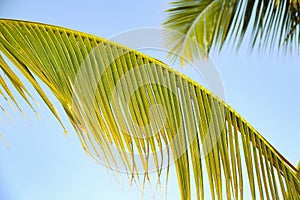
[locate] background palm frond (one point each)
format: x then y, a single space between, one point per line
204 25
128 109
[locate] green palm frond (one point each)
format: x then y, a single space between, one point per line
198 26
18 85
135 113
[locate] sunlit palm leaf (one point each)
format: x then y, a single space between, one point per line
16 82
272 24
8 95
128 109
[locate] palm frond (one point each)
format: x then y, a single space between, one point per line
206 25
18 85
135 113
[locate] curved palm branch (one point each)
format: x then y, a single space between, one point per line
272 24
129 109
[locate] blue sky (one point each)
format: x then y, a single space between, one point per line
42 163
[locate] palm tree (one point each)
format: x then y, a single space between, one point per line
128 108
196 28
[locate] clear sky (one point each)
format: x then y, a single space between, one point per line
42 163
